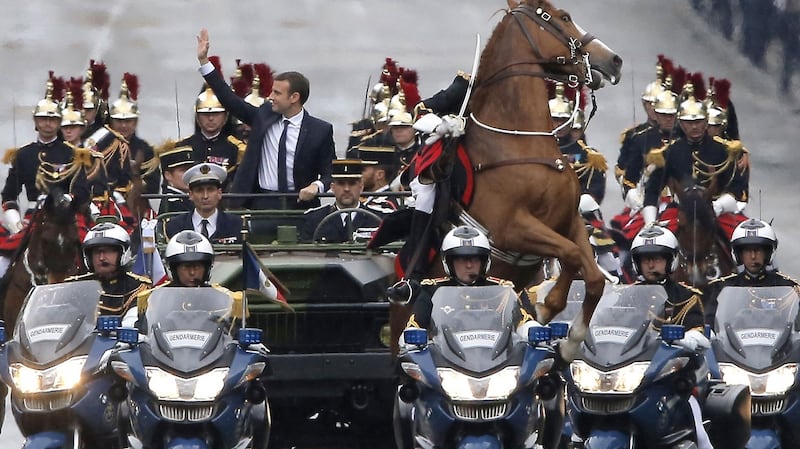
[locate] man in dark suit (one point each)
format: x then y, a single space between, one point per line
288 150
346 187
205 190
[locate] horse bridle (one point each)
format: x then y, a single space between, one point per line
577 57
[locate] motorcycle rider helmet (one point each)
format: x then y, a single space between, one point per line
189 246
107 234
465 241
655 240
754 232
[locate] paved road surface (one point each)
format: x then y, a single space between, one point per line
340 44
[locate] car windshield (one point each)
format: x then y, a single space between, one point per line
57 318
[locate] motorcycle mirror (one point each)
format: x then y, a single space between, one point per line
128 335
559 329
249 336
416 337
108 323
672 332
539 334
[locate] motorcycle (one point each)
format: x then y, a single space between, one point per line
757 345
190 383
631 386
476 383
56 368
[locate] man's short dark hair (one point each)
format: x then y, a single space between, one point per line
297 83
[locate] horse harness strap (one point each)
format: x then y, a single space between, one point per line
559 164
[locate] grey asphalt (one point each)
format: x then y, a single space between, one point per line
340 44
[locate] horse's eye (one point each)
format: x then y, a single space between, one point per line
566 18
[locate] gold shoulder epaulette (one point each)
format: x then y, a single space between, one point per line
594 159
82 156
734 147
499 281
143 296
787 277
691 289
624 135
139 277
167 145
10 155
656 157
722 278
239 143
433 281
222 289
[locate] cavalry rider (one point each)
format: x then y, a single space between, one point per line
95 98
655 257
46 164
466 260
107 254
699 159
213 139
753 246
649 96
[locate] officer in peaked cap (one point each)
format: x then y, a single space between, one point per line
377 173
346 187
175 162
205 191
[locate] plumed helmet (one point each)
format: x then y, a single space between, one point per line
692 109
125 107
754 232
666 102
208 102
69 114
465 241
655 240
107 234
189 246
652 90
48 106
560 105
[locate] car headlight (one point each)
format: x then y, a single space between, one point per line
168 387
622 380
771 383
63 376
460 387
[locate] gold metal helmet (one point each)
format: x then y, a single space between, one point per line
90 96
254 97
666 102
560 106
716 115
380 112
398 101
70 115
691 108
125 107
48 107
652 90
208 102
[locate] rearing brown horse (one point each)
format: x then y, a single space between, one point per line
526 194
49 252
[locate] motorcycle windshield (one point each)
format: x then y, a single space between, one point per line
620 329
188 328
473 326
57 318
755 325
575 297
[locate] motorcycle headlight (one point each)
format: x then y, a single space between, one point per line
771 383
168 387
63 376
622 380
460 387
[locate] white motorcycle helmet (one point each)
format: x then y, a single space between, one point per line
107 234
465 241
189 246
754 232
655 240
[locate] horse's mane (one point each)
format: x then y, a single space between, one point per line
696 206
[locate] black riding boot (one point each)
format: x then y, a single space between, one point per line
414 257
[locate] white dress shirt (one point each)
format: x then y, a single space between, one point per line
211 226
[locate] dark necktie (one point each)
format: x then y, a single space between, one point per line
348 221
204 227
283 183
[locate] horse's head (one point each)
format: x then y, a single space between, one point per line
697 235
54 243
561 46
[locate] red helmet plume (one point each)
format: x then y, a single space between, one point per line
132 81
265 76
101 80
408 82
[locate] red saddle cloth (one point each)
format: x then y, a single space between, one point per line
10 243
630 226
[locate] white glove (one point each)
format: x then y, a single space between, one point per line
633 199
451 126
427 123
725 203
119 198
94 211
694 340
522 329
12 220
649 215
587 204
